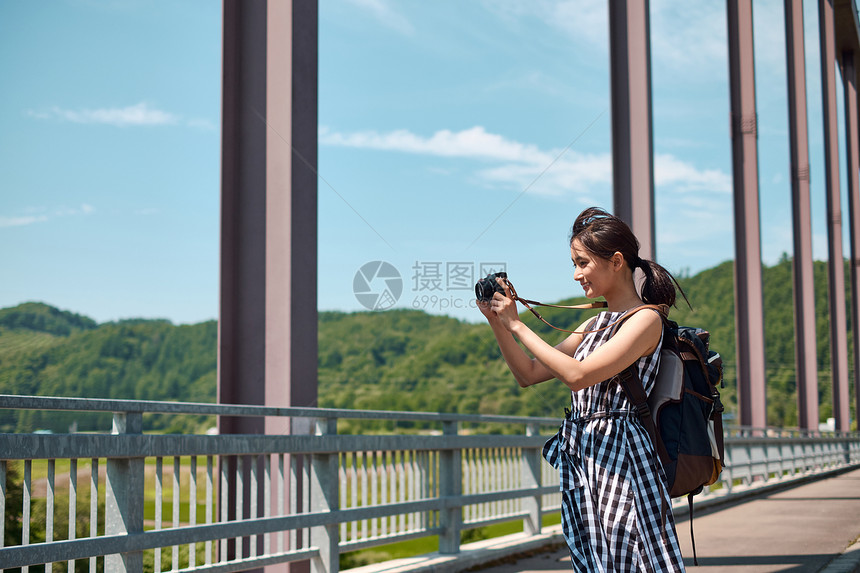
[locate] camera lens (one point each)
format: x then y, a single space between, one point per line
487 286
484 290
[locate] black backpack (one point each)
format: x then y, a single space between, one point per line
683 413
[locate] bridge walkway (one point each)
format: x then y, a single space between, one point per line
809 528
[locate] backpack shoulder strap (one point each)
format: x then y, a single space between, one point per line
633 388
662 310
635 392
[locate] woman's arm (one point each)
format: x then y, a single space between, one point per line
527 370
637 337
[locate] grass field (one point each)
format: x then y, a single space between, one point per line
13 342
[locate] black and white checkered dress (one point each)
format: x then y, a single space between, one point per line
613 485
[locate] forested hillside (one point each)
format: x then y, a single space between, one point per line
392 360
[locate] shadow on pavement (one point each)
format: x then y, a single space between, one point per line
808 563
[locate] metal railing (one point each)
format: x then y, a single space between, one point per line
234 502
759 457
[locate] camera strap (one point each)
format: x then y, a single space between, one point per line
661 308
528 304
591 305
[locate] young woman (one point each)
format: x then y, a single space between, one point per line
614 494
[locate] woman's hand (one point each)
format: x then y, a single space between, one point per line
504 307
484 307
501 313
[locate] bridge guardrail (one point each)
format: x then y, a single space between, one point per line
242 501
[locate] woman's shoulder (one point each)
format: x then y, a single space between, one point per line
645 313
646 323
609 321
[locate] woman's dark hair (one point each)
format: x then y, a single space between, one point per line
603 235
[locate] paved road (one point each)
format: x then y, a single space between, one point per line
798 530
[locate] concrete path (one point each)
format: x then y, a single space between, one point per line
808 528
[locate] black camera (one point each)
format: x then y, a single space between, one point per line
487 286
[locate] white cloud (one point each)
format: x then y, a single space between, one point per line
386 15
83 209
23 220
474 143
526 167
690 36
141 114
684 176
769 41
586 22
675 27
572 173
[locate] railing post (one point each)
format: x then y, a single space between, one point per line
124 496
531 478
324 497
451 487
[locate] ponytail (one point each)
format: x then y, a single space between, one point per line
659 286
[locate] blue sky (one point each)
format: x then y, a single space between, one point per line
452 135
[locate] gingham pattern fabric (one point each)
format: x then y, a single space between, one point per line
613 486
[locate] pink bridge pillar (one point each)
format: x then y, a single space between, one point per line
852 160
267 330
632 147
805 350
836 264
749 315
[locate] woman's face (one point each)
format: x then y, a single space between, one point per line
593 273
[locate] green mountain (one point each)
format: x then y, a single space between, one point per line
393 360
